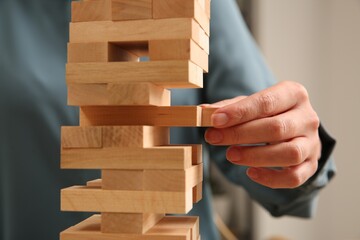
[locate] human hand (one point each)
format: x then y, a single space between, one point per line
282 124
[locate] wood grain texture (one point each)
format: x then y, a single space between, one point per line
137 223
127 158
182 9
172 180
91 199
111 10
135 136
184 228
168 74
138 31
197 192
122 179
178 49
153 116
206 113
81 137
126 94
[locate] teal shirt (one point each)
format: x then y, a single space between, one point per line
33 37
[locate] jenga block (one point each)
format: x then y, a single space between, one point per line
129 158
98 52
173 180
135 136
111 10
196 153
181 49
122 179
181 9
91 199
138 94
180 222
90 229
206 114
156 116
208 7
81 137
168 74
197 192
143 94
129 222
94 183
139 31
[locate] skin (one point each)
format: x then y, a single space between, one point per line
283 124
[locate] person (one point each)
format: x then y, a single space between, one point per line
284 174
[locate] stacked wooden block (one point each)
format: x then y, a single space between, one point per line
125 115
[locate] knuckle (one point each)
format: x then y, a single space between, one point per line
240 111
278 129
267 103
314 121
235 136
301 91
295 180
295 153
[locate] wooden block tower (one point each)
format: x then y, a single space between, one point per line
125 115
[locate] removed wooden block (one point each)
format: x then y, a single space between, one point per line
111 10
81 137
142 94
90 229
197 192
129 222
172 180
181 9
91 199
206 114
168 74
122 179
98 52
182 49
148 115
139 31
127 158
135 136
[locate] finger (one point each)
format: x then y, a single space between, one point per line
223 102
269 102
282 127
284 154
290 177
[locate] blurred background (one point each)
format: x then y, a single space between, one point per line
316 43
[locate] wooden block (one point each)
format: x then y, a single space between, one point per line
122 179
81 137
142 94
196 152
135 136
197 193
163 230
129 158
111 10
91 199
206 114
99 10
173 180
129 222
148 115
168 74
208 7
94 183
98 52
180 222
181 9
182 49
138 94
138 31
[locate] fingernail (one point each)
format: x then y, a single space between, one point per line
213 136
233 154
219 119
253 173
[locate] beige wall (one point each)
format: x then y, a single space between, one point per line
317 43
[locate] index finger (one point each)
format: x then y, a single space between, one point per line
269 102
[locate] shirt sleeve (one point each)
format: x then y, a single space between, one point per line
238 68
